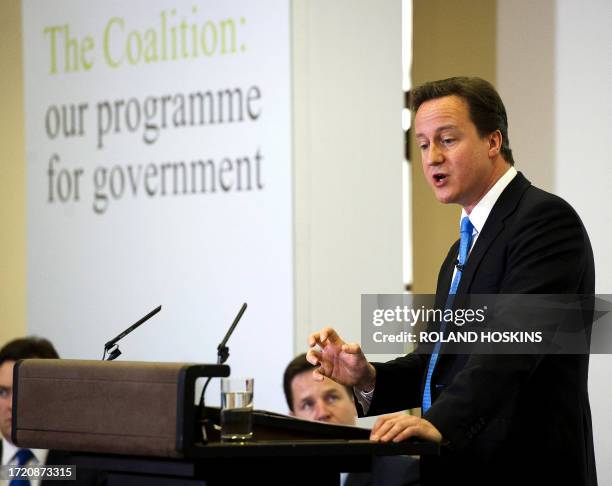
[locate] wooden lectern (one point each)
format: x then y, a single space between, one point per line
139 423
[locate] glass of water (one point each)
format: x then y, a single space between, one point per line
236 409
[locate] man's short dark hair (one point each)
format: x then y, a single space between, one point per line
298 365
487 111
29 347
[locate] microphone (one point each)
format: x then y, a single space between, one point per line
222 355
113 342
222 349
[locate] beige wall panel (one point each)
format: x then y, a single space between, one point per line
348 147
12 175
449 39
526 83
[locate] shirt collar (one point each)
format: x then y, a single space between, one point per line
480 213
9 450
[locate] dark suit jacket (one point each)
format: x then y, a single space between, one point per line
509 419
388 471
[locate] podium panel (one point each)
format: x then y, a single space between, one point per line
117 407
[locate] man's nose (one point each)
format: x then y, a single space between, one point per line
322 412
434 155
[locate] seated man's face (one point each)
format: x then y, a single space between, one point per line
6 398
325 400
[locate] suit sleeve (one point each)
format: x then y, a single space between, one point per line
398 384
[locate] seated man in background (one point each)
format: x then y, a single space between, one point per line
327 401
25 348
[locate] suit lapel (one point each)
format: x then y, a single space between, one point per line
446 275
504 207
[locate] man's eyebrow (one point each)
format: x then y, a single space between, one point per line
438 130
304 398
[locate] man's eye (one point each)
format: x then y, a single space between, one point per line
4 392
448 141
423 146
306 405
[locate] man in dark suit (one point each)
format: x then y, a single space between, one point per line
501 419
25 348
327 401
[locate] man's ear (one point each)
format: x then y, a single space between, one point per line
495 143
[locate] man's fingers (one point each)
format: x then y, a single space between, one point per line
389 427
382 425
313 357
328 334
324 336
379 422
404 427
382 430
351 348
413 431
313 339
401 427
400 430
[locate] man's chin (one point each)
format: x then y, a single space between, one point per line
443 195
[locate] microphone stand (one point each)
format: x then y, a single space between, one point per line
222 355
114 353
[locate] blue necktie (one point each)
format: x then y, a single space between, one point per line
464 248
23 456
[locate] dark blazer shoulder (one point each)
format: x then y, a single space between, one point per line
520 198
528 232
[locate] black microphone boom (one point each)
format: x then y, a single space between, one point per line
116 339
222 355
222 349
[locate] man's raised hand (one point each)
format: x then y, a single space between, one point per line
342 362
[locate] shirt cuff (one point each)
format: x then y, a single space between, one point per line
364 398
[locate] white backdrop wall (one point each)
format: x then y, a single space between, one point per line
584 173
158 139
554 71
202 256
348 155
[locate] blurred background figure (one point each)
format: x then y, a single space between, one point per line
328 401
